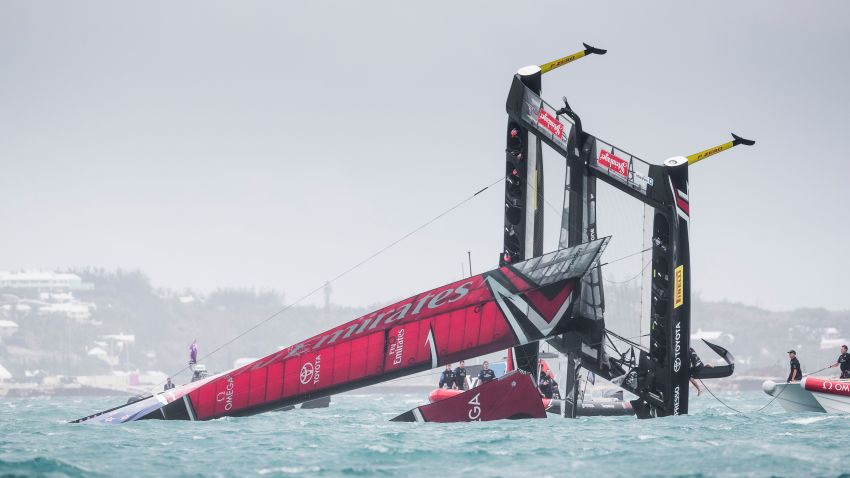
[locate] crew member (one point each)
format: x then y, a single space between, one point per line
447 377
545 384
556 392
796 373
843 362
193 354
460 376
168 385
485 375
696 366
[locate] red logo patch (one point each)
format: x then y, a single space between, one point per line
550 123
613 163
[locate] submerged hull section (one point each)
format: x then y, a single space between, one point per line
512 305
792 397
511 396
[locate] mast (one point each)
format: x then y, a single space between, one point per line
523 230
578 225
523 224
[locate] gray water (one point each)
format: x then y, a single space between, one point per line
355 438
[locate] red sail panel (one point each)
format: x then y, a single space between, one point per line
464 319
460 320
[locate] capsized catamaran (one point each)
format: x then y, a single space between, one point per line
557 297
513 305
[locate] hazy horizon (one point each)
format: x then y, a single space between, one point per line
274 145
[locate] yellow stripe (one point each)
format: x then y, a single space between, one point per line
679 287
709 152
546 67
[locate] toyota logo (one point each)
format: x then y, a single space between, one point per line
677 364
306 373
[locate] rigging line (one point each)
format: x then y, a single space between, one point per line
783 389
628 339
726 404
633 278
643 283
624 339
765 405
625 257
543 198
345 272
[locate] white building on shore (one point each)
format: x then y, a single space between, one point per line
42 280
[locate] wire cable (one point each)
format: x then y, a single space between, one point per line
760 409
343 273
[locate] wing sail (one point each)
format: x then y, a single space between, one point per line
485 313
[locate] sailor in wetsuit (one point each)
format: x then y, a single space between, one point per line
796 373
556 392
447 378
460 376
485 375
168 385
843 362
545 384
696 366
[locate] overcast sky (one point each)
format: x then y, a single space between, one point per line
275 144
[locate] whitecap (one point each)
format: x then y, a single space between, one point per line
807 420
378 448
289 470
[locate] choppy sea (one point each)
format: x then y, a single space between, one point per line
354 438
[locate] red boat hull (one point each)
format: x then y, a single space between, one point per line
511 396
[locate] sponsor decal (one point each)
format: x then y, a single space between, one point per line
475 409
613 163
833 387
677 364
709 152
226 396
676 400
836 386
643 178
532 106
677 338
306 373
563 61
397 349
310 371
679 287
429 301
550 123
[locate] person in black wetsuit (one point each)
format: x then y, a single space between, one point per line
460 376
545 384
485 375
168 385
696 366
447 378
843 362
796 374
556 392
